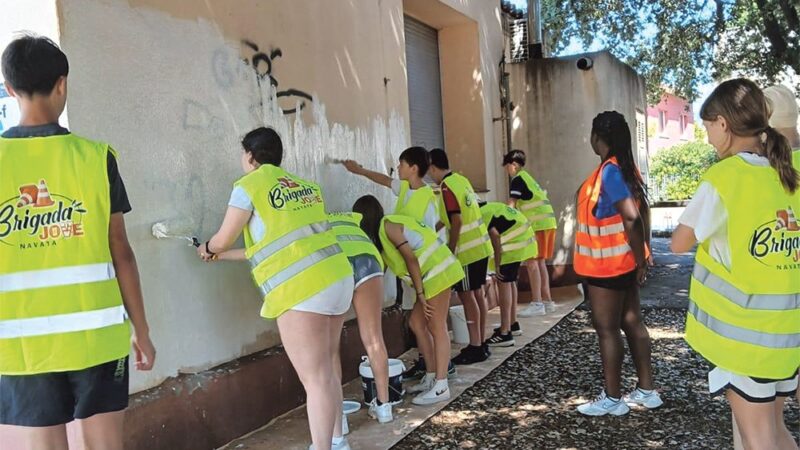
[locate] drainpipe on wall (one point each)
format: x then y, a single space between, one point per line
535 42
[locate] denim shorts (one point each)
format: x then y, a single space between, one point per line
365 267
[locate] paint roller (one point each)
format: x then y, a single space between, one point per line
331 160
175 229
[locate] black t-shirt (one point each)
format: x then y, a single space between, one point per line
119 196
519 190
501 224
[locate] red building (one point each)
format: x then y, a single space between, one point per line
671 122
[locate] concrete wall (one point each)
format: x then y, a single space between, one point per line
555 104
163 82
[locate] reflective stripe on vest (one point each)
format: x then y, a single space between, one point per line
511 234
309 260
353 240
769 302
532 205
471 226
764 339
63 323
62 276
288 238
517 245
600 253
606 230
538 210
472 244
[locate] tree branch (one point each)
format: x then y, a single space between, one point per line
772 30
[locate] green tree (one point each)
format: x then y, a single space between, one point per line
676 171
684 43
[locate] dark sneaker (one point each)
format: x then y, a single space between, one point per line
515 329
486 351
451 369
470 355
415 372
500 340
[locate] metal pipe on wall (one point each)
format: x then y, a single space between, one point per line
535 43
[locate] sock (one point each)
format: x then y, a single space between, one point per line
430 375
645 391
613 399
337 440
440 384
378 402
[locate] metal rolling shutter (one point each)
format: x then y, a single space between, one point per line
424 84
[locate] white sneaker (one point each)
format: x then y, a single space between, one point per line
549 306
382 413
534 309
603 405
649 401
440 392
425 384
342 445
345 425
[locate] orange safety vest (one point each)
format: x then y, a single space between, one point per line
601 245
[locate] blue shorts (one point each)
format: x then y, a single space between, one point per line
365 267
56 398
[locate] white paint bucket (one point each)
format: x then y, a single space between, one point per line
459 323
396 369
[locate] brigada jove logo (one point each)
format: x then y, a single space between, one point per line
34 219
292 194
778 245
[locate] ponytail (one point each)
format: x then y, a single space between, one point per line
779 153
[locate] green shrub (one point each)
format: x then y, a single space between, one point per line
675 172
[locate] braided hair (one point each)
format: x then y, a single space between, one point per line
611 128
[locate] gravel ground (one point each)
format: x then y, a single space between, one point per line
529 401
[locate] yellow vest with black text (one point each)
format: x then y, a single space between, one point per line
440 270
747 319
299 255
538 209
473 240
417 204
60 304
518 243
353 240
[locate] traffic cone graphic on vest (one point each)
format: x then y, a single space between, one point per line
791 223
43 198
27 195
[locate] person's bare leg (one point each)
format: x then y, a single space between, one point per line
514 301
472 314
419 325
484 312
33 438
306 337
102 431
437 324
756 422
534 280
544 284
638 338
367 301
737 437
335 329
606 316
506 304
785 439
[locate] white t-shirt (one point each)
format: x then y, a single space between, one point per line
431 214
706 214
333 300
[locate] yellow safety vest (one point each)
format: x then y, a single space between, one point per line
518 243
796 158
747 319
473 240
538 209
417 204
353 240
60 303
299 255
439 268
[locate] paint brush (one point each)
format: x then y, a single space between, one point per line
331 160
167 230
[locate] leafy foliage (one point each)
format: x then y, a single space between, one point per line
683 44
677 170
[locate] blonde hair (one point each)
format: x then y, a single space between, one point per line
745 108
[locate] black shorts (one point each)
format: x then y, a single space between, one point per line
510 272
619 283
56 398
475 276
